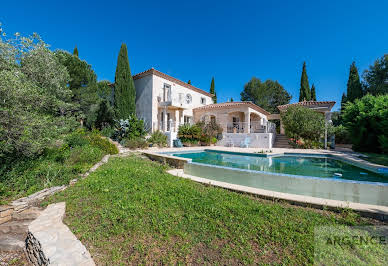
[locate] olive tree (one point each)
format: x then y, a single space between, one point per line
300 122
35 102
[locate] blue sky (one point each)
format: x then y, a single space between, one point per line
230 40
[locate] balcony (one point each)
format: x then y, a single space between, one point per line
174 100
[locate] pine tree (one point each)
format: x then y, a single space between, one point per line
125 92
189 82
313 93
354 87
213 90
75 51
231 100
304 92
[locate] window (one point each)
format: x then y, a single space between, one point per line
187 119
203 100
188 98
166 92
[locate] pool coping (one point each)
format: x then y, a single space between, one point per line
367 210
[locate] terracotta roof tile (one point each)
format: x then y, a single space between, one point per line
307 103
233 104
153 71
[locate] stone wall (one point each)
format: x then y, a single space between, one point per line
166 159
7 212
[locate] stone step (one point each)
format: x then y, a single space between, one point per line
18 227
12 242
29 214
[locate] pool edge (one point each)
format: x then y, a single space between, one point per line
366 210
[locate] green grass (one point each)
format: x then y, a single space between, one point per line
130 211
75 154
376 158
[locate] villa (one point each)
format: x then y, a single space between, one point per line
165 103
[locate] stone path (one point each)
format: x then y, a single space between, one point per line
49 241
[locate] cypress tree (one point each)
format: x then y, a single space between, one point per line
189 82
304 92
343 102
75 51
354 87
125 92
313 93
213 90
231 100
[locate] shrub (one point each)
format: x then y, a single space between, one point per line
104 144
56 166
367 122
107 132
158 138
341 135
130 128
135 143
305 144
190 133
303 123
77 138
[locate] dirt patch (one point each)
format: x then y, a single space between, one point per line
13 258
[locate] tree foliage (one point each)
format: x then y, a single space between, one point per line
189 82
83 84
376 77
35 102
75 51
304 91
268 95
367 122
213 90
125 92
300 122
313 93
354 87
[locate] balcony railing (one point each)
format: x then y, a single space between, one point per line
254 126
176 100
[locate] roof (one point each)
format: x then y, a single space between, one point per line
155 72
328 104
234 104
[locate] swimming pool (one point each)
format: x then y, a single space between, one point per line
306 165
311 175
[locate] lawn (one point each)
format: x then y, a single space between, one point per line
130 211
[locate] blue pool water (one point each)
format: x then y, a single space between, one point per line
319 166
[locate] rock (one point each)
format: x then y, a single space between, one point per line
14 227
49 241
29 214
11 243
5 219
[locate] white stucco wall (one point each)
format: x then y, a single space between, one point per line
158 84
149 87
144 100
257 140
